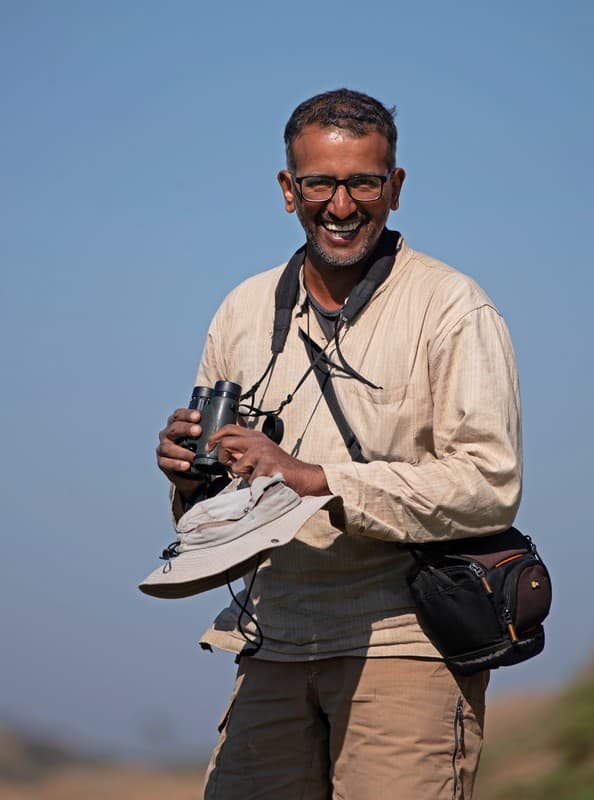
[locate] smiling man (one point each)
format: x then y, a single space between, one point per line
410 415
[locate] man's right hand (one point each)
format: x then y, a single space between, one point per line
173 459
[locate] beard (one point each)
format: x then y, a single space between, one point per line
333 259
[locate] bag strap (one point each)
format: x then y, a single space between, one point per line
323 377
285 298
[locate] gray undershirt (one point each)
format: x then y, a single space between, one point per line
326 318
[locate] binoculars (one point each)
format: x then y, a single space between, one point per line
217 407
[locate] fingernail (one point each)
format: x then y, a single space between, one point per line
195 430
183 465
195 416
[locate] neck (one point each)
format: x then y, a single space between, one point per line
330 286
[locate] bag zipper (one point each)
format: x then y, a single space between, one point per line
510 624
480 573
510 598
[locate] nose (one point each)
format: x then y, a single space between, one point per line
342 204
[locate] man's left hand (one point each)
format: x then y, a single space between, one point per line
250 454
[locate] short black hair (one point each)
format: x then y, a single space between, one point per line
355 112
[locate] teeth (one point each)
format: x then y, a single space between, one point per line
332 226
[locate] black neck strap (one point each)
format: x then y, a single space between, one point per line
285 297
287 289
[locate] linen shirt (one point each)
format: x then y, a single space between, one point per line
441 435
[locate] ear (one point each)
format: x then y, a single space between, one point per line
286 184
396 182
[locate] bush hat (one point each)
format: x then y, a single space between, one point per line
219 539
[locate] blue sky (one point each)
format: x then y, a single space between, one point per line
139 148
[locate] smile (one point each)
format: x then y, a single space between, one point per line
342 230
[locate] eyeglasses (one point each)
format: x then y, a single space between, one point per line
321 188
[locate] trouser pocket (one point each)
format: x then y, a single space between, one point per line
222 723
459 748
224 719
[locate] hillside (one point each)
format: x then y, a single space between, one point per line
541 748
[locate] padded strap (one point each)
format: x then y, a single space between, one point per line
285 297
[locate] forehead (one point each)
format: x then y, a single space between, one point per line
335 151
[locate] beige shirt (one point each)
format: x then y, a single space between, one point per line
442 437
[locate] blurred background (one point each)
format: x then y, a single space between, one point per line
140 143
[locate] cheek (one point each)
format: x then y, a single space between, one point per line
376 219
382 214
305 218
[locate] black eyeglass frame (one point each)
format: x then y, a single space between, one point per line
343 182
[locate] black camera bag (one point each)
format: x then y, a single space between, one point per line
482 600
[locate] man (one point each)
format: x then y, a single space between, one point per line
346 697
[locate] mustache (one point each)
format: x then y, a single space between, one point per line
358 216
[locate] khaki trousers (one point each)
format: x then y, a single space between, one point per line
349 729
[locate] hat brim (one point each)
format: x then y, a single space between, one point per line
201 569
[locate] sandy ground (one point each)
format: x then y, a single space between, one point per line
107 783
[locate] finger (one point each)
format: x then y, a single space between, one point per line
234 437
260 470
231 430
178 430
226 457
173 464
242 467
169 449
184 415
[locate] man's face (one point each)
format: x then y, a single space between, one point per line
341 232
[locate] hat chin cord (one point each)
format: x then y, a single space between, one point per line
252 643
